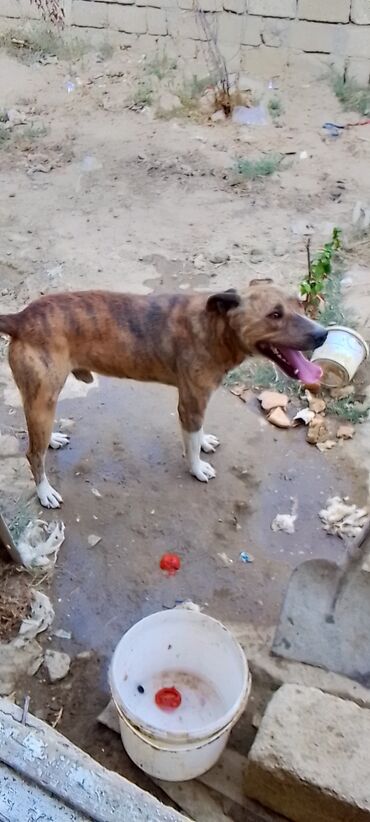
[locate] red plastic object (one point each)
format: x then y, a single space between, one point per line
168 699
170 563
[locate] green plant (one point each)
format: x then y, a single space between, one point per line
348 409
312 288
264 167
275 107
40 40
32 132
143 94
160 65
4 136
352 95
261 373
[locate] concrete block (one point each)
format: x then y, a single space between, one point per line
263 61
272 8
232 56
358 42
10 8
155 4
237 6
29 10
359 71
323 38
276 32
234 30
127 18
329 11
90 14
156 21
186 25
44 776
310 758
360 12
205 5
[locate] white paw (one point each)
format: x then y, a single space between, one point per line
203 471
58 440
209 443
47 495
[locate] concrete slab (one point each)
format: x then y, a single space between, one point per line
41 771
310 759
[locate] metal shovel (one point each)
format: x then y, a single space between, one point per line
325 618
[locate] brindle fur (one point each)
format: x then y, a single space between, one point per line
188 341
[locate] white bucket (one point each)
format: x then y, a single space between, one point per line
340 356
199 657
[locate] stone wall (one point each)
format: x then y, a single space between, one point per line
260 35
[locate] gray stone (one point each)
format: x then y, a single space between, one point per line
360 12
310 758
57 665
168 102
330 11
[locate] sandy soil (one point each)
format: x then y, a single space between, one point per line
116 198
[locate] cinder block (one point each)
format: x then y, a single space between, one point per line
204 5
359 71
323 38
235 30
237 6
90 14
10 8
263 61
360 12
127 18
325 11
157 21
273 8
310 759
186 25
232 56
358 43
275 32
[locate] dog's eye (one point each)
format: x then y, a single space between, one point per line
276 314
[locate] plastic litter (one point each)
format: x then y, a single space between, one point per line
168 699
40 542
286 522
245 557
343 519
253 116
170 563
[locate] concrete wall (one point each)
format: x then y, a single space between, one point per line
258 35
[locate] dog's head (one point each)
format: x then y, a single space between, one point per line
266 321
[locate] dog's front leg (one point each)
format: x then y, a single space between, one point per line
192 406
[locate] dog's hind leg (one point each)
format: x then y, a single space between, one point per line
40 383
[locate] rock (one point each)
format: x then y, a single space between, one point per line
218 116
278 249
199 262
345 432
311 752
317 431
325 446
57 665
256 256
315 403
93 540
279 418
207 102
284 522
168 102
273 399
343 392
219 258
16 118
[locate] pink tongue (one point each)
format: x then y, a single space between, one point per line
308 372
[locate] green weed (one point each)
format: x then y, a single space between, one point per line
253 169
352 95
275 107
348 409
39 41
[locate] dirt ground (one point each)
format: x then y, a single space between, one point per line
115 198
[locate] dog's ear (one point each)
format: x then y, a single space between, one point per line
224 301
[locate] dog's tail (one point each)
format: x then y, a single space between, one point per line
9 324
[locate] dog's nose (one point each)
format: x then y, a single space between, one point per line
320 337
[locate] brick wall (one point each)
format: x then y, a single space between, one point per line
260 35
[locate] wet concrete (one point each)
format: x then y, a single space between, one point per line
126 444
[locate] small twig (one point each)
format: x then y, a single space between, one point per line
308 250
26 706
57 718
